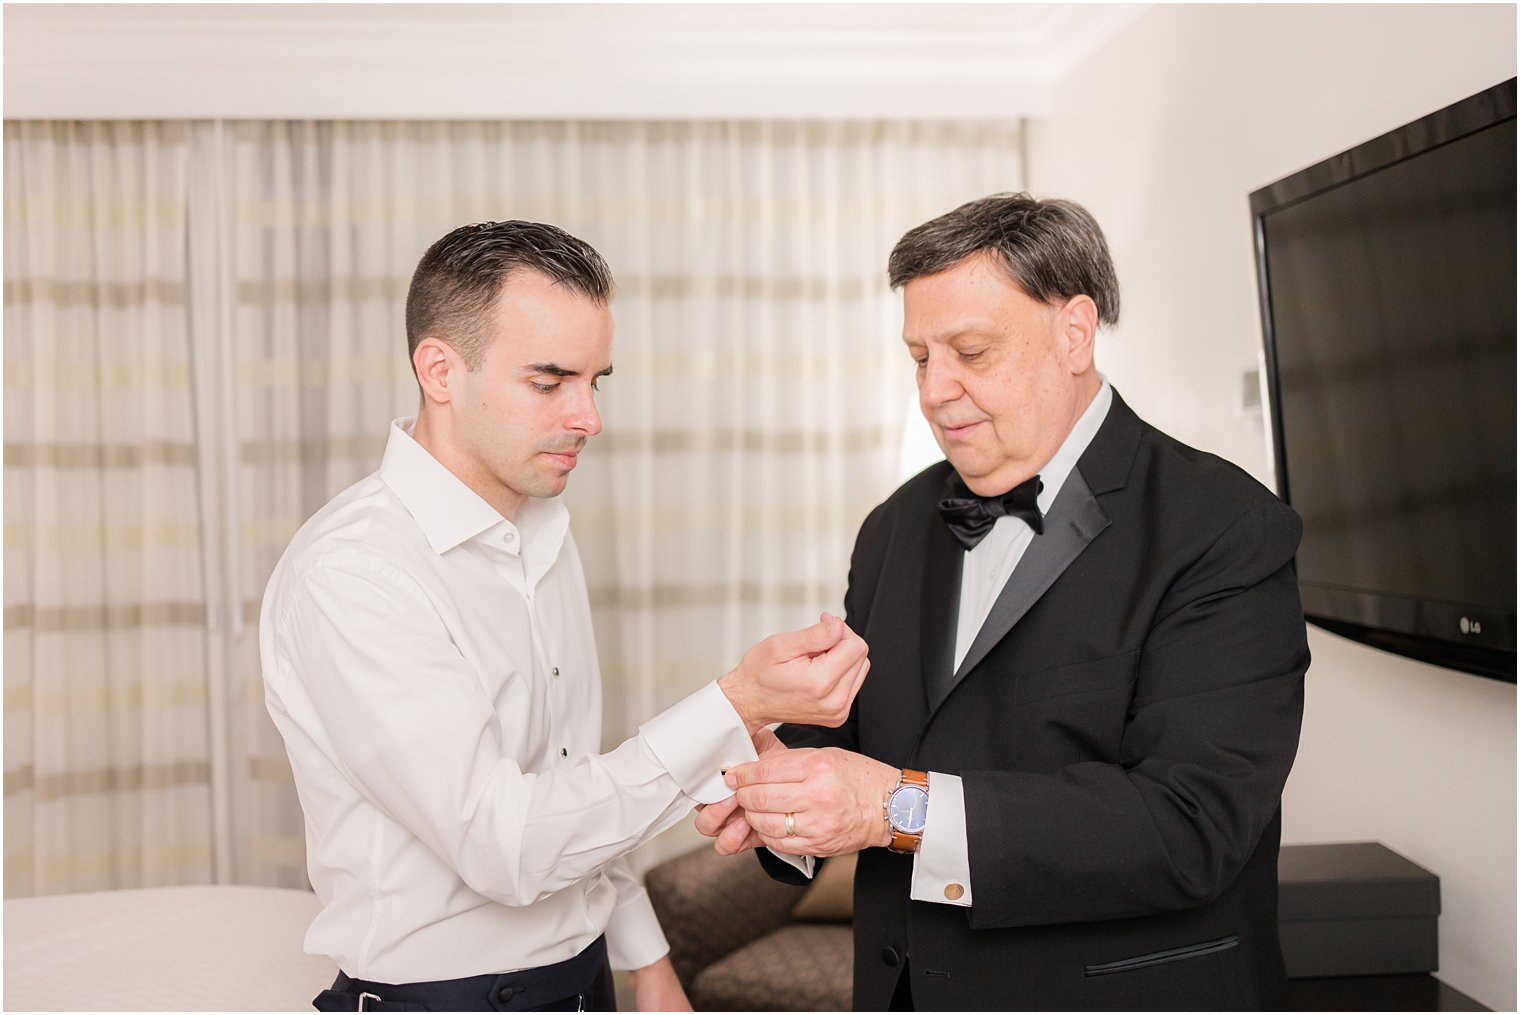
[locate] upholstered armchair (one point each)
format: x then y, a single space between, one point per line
741 941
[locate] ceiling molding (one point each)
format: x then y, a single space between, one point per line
545 61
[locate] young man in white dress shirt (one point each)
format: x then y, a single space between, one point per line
428 657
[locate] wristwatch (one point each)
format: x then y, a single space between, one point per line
906 809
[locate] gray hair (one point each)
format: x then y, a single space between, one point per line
1052 249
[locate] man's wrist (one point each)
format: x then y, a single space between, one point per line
732 686
910 795
890 777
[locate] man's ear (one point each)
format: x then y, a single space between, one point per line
436 365
1079 328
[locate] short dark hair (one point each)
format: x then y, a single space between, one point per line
462 275
1052 249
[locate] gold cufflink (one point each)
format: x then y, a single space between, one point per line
954 891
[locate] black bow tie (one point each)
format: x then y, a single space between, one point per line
971 517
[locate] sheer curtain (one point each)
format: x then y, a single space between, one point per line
754 418
107 768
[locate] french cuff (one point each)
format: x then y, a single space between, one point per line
942 865
634 937
803 863
696 739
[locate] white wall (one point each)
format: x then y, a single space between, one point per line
1163 134
543 61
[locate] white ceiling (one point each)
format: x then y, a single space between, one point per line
551 61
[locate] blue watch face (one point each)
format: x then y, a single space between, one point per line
909 809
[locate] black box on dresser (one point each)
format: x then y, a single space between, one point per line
1356 909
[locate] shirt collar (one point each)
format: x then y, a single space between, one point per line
449 512
1054 474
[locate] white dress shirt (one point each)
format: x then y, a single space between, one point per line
432 670
943 859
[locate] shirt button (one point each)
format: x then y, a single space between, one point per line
954 891
889 955
555 671
564 752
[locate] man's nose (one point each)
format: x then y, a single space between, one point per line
940 382
585 418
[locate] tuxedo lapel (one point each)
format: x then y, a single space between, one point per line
939 608
1074 520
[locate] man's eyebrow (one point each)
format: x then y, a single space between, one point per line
555 370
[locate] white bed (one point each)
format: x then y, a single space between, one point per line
189 948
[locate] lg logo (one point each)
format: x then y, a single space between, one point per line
1471 626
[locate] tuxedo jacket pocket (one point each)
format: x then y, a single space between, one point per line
1106 674
1163 957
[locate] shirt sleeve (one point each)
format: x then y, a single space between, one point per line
634 937
386 695
942 865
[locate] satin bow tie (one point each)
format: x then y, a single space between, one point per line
971 517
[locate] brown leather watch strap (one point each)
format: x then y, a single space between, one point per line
907 842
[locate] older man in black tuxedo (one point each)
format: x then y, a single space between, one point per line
1064 772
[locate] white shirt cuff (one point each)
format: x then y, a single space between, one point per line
634 937
942 865
698 737
803 863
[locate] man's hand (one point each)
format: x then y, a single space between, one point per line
725 821
806 676
833 795
656 988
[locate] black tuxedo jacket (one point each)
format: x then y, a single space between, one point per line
1123 726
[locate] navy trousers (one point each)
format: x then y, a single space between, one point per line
581 983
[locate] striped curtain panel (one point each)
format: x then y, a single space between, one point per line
757 407
106 743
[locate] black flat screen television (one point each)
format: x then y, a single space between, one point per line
1387 284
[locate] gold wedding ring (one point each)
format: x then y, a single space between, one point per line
791 825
